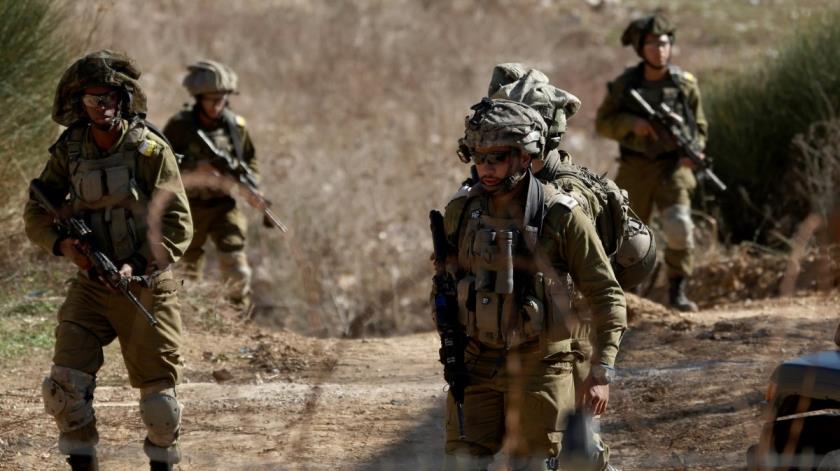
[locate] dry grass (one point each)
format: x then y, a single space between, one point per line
355 108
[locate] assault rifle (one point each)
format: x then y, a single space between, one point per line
102 267
233 166
673 124
452 338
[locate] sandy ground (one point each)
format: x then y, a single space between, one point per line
689 395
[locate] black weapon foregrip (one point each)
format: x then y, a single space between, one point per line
438 235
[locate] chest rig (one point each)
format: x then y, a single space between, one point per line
105 193
503 294
669 92
227 138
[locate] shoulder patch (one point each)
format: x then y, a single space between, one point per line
240 121
149 148
689 77
564 200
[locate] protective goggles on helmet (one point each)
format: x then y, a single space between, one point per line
106 100
492 157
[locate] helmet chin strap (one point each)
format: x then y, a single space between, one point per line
112 123
509 183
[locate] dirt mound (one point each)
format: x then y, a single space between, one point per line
642 309
752 272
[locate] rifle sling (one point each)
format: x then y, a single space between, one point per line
235 136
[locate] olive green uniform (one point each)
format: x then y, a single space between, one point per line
111 190
216 214
521 394
649 169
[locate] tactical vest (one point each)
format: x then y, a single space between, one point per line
669 92
227 138
105 193
504 297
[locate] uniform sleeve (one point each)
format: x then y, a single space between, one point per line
610 121
176 133
695 102
38 222
156 174
579 250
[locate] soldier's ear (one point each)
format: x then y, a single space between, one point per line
526 159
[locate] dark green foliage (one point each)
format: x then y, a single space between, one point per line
33 55
755 113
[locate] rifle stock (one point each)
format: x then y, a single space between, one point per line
102 266
673 125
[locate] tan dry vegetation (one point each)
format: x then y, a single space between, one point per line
355 108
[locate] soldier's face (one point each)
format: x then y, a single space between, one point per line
213 104
495 164
101 105
656 50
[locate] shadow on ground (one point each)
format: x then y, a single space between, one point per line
422 448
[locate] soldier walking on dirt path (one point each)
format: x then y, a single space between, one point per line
516 246
104 169
215 213
636 253
651 168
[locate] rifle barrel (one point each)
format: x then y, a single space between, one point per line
277 223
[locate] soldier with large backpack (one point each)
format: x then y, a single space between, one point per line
627 241
103 172
200 132
516 246
652 169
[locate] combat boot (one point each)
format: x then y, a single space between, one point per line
677 297
83 462
160 466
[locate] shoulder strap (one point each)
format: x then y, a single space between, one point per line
235 136
677 76
74 142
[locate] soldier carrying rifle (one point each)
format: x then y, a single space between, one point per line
215 141
509 249
653 168
89 205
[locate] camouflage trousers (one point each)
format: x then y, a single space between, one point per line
91 317
515 407
659 183
221 221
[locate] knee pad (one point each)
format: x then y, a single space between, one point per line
234 266
68 396
678 227
161 413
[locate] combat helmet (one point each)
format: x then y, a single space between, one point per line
101 68
636 255
497 122
210 77
512 81
655 24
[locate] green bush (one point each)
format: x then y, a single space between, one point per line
33 55
754 115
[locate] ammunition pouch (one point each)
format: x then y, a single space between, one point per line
105 193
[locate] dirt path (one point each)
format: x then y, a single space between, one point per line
688 396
